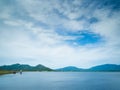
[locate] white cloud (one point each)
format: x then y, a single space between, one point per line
21 46
5 12
108 27
12 23
74 25
46 13
47 47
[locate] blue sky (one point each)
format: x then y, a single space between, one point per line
59 33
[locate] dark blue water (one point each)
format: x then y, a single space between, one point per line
61 81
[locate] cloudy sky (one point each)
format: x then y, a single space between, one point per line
58 33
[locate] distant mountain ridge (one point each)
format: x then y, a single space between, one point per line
39 67
69 68
104 67
25 67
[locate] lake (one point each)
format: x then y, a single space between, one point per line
61 81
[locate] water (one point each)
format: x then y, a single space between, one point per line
61 81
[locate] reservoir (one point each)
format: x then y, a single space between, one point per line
61 81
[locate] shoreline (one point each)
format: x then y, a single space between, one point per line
5 72
12 72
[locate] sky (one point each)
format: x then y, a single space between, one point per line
59 33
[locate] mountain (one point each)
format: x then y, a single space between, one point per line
25 67
105 67
39 67
69 68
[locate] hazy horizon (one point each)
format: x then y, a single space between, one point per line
58 33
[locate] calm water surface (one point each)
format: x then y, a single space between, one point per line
61 81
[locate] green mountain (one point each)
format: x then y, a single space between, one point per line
39 67
24 67
104 67
69 68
